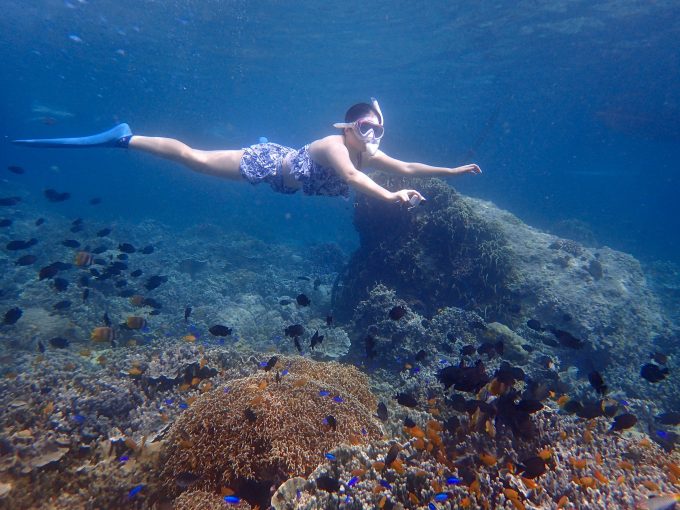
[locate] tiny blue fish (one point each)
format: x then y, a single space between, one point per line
415 370
441 496
263 364
79 419
183 405
134 491
353 481
363 431
338 399
386 484
285 372
443 361
662 434
226 389
432 506
124 458
232 500
298 494
324 393
453 480
347 499
330 456
168 401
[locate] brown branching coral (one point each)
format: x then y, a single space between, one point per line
259 429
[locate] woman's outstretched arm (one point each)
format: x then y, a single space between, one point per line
382 161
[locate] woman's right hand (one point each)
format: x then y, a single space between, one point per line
404 196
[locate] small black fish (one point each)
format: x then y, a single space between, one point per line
220 330
294 330
392 454
187 313
104 232
99 250
304 278
660 358
16 169
5 222
567 339
136 273
331 422
298 346
573 407
285 302
670 418
369 343
122 256
12 316
317 283
10 201
468 350
41 346
623 422
533 467
316 339
653 373
54 196
407 400
421 355
382 412
86 293
155 281
186 479
250 415
60 284
153 303
95 201
126 248
71 243
303 300
535 325
106 319
529 406
39 222
271 363
59 343
120 283
329 320
397 312
597 382
26 260
147 250
409 423
76 228
62 305
20 244
491 349
328 484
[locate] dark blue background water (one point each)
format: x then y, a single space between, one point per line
571 108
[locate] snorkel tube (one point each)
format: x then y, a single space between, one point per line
372 143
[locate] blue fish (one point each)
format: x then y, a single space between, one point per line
324 393
432 506
168 401
338 399
124 458
263 364
285 372
353 481
386 484
441 496
134 491
183 405
330 456
415 370
232 500
363 431
79 419
453 480
662 434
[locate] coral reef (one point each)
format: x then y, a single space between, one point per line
258 428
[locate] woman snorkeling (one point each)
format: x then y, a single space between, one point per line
328 166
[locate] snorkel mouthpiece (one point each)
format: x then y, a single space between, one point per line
372 147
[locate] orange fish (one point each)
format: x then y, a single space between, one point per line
103 334
83 258
137 300
189 338
135 322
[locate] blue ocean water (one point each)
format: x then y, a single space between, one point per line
571 108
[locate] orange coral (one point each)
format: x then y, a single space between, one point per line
286 438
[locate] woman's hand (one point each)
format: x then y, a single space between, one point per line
404 196
467 169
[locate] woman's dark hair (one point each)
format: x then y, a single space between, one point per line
361 110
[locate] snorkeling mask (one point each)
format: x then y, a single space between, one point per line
366 130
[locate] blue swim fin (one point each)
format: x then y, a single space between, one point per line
118 136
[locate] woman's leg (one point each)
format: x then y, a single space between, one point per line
219 163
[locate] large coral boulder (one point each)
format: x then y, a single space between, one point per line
258 430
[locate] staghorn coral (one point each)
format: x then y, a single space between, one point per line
284 436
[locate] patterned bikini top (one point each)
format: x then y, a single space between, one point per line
315 179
